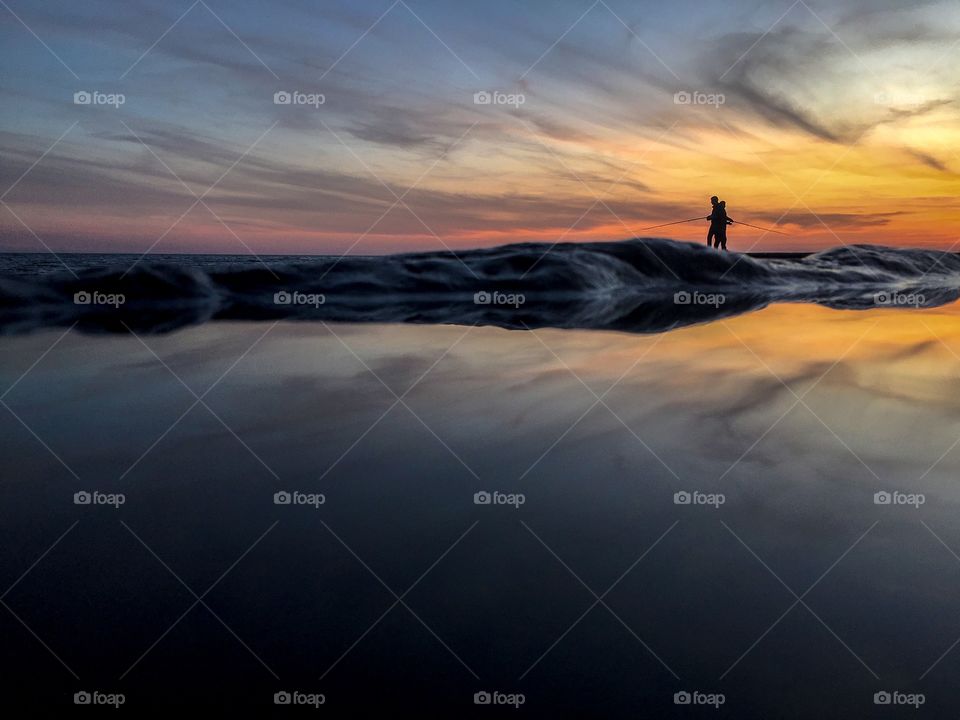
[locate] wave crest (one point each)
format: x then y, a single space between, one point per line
631 285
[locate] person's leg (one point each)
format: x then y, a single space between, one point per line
710 234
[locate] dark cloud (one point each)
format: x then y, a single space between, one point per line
928 160
276 194
795 76
835 221
767 74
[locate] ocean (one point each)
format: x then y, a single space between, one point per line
663 482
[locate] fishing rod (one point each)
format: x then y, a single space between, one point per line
757 227
736 222
678 222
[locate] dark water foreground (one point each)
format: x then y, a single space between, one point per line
587 587
640 286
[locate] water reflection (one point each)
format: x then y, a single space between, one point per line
797 415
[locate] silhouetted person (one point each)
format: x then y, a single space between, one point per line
722 235
714 218
717 235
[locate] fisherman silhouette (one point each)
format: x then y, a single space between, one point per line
717 235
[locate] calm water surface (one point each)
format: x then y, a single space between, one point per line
783 585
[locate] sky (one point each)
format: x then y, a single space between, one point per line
836 122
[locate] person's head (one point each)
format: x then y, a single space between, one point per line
723 203
713 200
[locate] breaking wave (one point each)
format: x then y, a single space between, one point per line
642 285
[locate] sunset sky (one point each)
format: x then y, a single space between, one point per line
837 121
